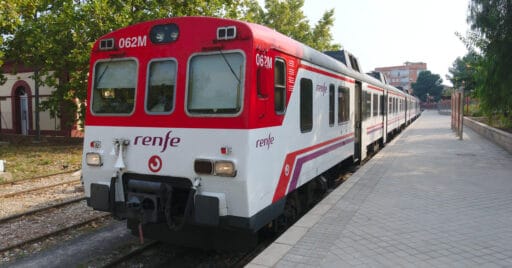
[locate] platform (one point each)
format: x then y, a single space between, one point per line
427 199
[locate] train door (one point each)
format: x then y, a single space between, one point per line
406 102
383 109
386 114
358 122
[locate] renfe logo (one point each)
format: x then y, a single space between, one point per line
265 142
155 163
322 89
162 142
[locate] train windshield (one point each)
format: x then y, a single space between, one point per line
215 83
114 87
161 83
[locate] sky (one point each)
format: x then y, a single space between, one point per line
389 33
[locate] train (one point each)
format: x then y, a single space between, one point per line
203 131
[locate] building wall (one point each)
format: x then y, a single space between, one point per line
10 118
403 75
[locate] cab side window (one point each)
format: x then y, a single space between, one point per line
343 104
279 86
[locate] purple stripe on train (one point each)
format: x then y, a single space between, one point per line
301 161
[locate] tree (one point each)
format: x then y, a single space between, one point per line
464 71
491 22
56 36
287 17
428 84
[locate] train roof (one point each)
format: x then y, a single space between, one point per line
267 38
328 60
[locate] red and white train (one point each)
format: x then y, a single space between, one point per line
204 129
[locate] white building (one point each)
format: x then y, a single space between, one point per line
404 75
17 106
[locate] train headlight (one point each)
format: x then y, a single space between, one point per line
164 33
203 166
225 168
221 168
93 159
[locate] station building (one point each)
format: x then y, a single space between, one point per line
404 75
17 106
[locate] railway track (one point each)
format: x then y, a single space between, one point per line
45 222
39 183
40 188
11 182
157 254
18 197
38 208
131 254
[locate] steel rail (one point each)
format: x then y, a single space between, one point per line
38 188
52 233
38 177
34 211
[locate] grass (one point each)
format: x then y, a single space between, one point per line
498 121
28 161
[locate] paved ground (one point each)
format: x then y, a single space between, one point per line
426 200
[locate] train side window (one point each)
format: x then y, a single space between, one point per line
331 105
390 105
375 104
306 105
161 84
381 104
343 104
367 105
279 86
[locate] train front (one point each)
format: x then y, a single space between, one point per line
164 132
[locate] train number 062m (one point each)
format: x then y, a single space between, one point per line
264 61
132 42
